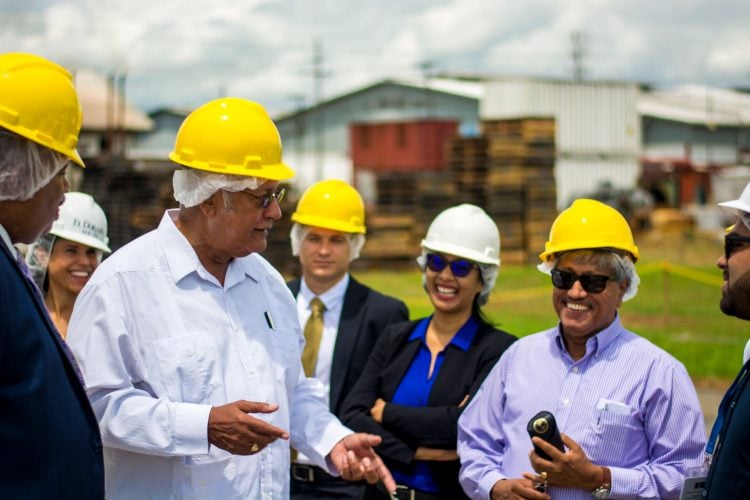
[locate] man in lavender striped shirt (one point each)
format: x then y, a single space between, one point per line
629 415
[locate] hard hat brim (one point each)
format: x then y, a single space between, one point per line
736 205
89 241
274 172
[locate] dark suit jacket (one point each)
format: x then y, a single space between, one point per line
50 445
405 428
365 315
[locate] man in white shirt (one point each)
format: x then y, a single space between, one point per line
327 235
188 339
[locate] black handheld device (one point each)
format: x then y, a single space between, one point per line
543 425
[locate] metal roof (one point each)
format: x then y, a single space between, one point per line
102 107
698 105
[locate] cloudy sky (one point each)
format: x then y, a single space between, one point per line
185 52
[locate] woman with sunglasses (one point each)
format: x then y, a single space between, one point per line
421 374
63 260
627 410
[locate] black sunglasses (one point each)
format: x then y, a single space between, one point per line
733 242
459 267
265 200
592 283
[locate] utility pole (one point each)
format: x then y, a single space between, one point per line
426 67
121 122
319 74
577 54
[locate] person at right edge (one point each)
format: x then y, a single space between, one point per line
729 444
421 374
327 235
50 445
627 410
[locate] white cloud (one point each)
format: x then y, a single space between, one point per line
184 52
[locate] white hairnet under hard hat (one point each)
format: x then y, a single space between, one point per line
298 232
192 187
741 206
25 166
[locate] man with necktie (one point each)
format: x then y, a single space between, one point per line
342 318
48 432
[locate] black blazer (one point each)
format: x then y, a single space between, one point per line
405 428
365 314
49 437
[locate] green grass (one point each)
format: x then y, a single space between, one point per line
677 309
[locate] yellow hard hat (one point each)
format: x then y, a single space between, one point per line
231 136
38 101
331 204
589 224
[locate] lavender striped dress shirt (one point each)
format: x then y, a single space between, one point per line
629 404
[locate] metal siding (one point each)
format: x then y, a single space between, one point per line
578 176
300 150
591 118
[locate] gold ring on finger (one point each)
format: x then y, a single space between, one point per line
254 448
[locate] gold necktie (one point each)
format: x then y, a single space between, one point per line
313 333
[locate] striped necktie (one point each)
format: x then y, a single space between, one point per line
313 334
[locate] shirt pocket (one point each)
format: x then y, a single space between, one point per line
207 476
618 434
287 357
189 366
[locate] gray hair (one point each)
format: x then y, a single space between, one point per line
298 232
609 260
25 166
487 272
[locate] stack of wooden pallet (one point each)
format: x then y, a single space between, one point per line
509 171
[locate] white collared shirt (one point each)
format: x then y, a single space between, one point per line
333 299
160 342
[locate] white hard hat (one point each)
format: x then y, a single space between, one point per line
465 231
742 203
82 220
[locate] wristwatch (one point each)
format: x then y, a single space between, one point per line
603 491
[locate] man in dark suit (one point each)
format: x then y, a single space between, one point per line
50 442
342 318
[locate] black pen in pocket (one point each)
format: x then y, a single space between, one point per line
269 320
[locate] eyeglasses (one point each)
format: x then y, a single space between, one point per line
733 242
265 200
592 283
459 267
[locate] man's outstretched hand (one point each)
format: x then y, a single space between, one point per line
355 459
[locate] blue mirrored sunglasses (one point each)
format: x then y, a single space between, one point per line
459 267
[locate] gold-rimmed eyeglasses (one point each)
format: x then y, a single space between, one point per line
265 200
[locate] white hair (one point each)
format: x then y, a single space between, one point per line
624 269
298 232
192 187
